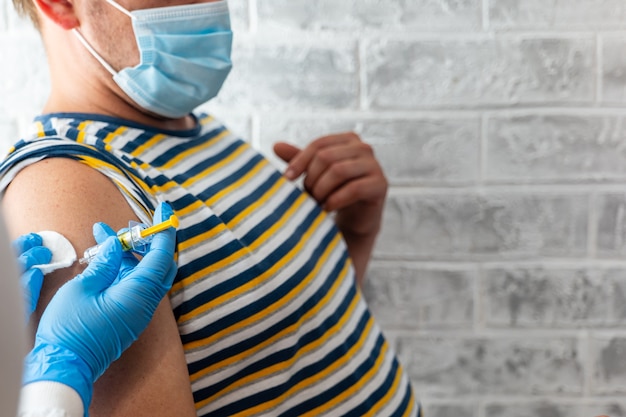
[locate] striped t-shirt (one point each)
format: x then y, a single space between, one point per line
270 317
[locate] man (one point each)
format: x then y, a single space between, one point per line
265 302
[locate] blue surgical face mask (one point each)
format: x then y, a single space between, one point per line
184 56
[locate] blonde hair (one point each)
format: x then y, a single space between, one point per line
27 8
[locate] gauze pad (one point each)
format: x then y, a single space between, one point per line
63 253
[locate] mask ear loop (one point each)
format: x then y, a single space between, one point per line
120 8
93 52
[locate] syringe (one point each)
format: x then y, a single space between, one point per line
136 237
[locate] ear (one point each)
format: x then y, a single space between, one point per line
60 12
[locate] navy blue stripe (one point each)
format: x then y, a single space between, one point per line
274 216
264 303
244 277
379 393
198 228
215 188
406 403
189 144
136 142
250 199
300 375
193 171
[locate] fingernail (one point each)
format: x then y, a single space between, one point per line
290 174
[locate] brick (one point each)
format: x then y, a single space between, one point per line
434 150
353 15
404 74
556 147
476 226
549 408
525 365
24 80
613 69
417 297
562 14
547 297
611 225
448 410
277 75
609 373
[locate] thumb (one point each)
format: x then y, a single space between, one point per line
286 151
103 270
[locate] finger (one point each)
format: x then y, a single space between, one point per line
364 189
333 154
38 255
25 242
300 162
101 232
338 176
285 151
105 266
162 213
153 276
31 282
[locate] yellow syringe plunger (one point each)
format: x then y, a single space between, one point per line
171 222
132 237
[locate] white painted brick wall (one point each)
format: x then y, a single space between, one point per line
499 275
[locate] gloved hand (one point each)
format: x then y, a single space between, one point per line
97 315
30 253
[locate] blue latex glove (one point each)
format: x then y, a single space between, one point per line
30 253
97 315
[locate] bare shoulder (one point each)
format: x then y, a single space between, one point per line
67 196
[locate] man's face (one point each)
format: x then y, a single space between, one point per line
110 31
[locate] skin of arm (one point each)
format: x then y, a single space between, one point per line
151 377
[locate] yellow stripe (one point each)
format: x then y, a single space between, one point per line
193 150
257 204
412 404
218 265
226 161
40 129
206 119
263 314
112 135
80 138
237 184
149 143
209 234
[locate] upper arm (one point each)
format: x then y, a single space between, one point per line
66 196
